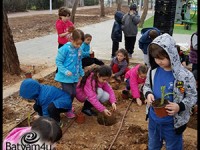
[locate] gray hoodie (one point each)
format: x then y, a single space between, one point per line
185 100
129 24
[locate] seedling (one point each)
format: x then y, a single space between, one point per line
163 95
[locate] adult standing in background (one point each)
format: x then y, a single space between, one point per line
129 26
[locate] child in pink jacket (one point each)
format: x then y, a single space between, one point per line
44 131
94 90
135 78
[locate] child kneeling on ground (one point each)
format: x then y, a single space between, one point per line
135 79
119 64
43 132
49 100
94 90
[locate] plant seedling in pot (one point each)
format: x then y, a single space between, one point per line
159 105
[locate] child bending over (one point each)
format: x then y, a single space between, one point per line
85 49
49 100
94 90
119 64
166 70
135 79
43 132
68 61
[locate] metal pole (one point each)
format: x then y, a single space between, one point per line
153 3
139 11
50 1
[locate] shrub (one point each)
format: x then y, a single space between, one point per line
91 2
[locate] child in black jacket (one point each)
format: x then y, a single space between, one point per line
116 34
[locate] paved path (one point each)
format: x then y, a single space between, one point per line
43 50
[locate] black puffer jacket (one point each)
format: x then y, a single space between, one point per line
116 34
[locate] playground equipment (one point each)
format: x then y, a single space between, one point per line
189 11
188 19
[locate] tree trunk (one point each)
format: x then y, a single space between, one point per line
81 3
10 58
119 5
144 13
74 10
102 13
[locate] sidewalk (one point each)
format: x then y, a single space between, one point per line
43 50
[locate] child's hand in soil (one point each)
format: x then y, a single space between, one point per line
114 107
172 108
107 112
139 102
150 99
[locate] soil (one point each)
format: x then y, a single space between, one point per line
97 132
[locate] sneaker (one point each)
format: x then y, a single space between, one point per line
70 114
89 112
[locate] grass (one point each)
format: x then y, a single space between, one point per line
178 28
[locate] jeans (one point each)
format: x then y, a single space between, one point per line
70 88
159 132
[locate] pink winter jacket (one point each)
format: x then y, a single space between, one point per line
14 136
90 94
134 81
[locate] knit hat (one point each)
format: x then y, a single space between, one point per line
133 7
29 89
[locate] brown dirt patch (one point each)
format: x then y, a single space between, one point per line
92 135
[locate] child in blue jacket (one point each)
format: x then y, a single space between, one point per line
148 34
116 34
68 61
49 100
85 53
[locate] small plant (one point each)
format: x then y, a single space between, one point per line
163 95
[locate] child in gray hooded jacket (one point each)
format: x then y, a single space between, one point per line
166 70
129 26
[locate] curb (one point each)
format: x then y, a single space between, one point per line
10 90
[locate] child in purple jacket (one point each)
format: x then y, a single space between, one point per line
94 90
135 77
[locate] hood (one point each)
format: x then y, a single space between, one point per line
118 16
29 89
168 44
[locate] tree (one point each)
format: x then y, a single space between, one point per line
74 10
10 58
144 13
102 9
119 5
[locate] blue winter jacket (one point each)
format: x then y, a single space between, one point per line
44 95
85 50
69 59
145 40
